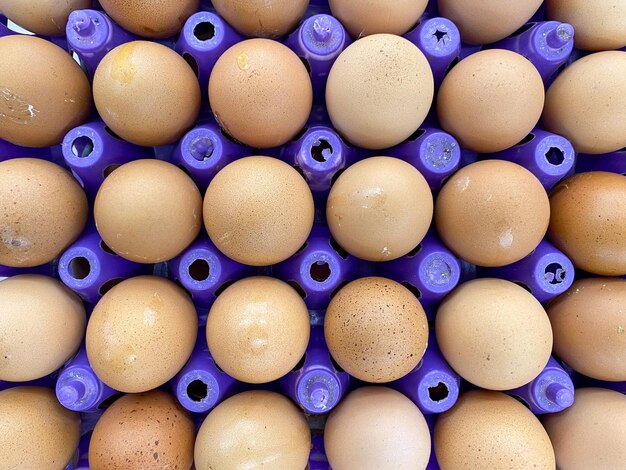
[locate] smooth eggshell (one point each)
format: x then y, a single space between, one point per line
45 17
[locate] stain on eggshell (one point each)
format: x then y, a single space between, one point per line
45 17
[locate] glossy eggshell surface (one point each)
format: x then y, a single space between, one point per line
45 17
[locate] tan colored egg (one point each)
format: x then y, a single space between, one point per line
258 329
491 430
376 329
148 211
379 91
260 93
44 210
43 92
141 333
588 221
147 430
253 430
380 208
591 116
492 213
491 100
258 211
494 333
146 93
45 17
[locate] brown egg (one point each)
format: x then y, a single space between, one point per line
491 430
379 91
146 93
147 430
45 17
253 430
41 326
591 117
258 211
376 329
262 18
258 329
148 211
380 208
43 92
141 333
260 93
151 18
37 432
494 333
44 210
486 21
588 221
491 100
492 213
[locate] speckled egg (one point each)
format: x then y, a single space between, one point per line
45 17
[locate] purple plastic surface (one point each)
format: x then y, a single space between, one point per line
48 381
48 269
9 151
83 452
4 29
317 457
614 162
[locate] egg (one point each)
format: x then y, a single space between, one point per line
491 430
491 100
258 329
260 93
43 92
141 333
45 17
252 430
141 83
44 211
591 117
376 329
147 430
258 211
494 333
379 91
375 428
492 213
588 221
37 432
379 209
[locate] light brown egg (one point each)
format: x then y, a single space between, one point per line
492 213
45 17
151 18
147 430
41 326
376 428
258 329
141 333
588 221
44 209
253 430
37 432
491 100
376 329
591 116
43 92
491 430
379 91
380 208
146 93
260 93
148 211
494 333
258 211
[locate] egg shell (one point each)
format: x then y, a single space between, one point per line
141 333
45 17
252 430
376 329
494 333
37 432
491 430
587 103
379 91
147 430
260 93
588 221
148 211
141 83
43 92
